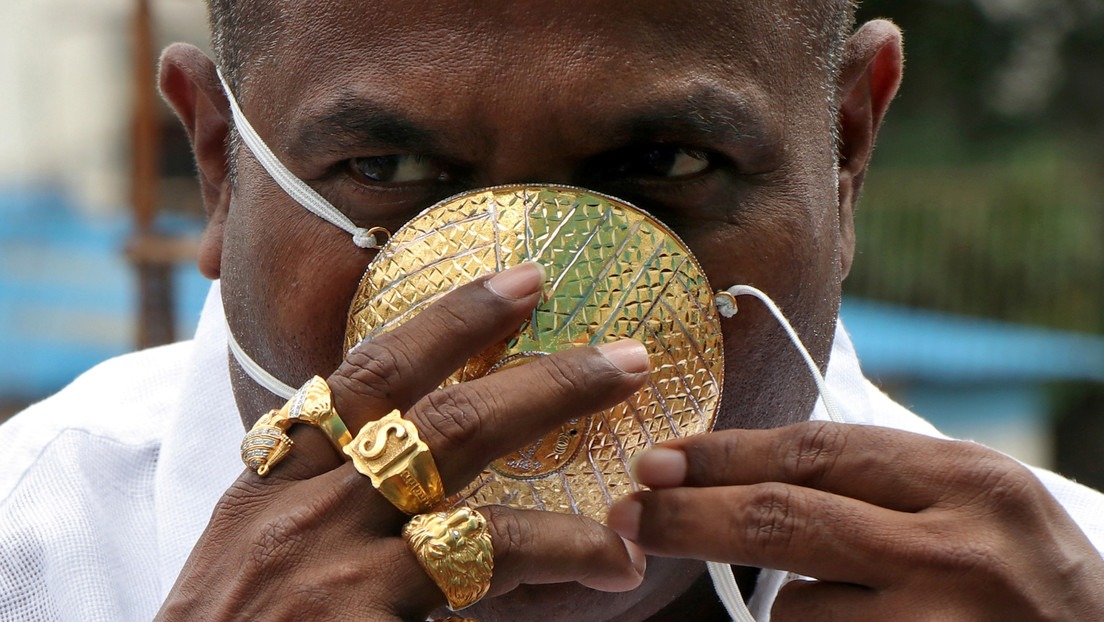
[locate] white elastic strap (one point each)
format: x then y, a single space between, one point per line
727 310
725 585
295 188
255 371
723 580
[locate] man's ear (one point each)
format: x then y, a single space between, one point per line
190 84
871 72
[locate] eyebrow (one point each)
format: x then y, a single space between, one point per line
350 122
705 113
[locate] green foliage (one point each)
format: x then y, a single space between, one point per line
1019 241
978 204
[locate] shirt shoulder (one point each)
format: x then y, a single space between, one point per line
77 492
122 401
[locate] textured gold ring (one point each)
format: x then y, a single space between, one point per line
400 465
267 443
455 550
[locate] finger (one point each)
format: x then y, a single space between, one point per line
799 601
473 423
468 425
537 548
891 468
534 548
770 525
397 368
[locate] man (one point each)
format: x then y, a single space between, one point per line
745 126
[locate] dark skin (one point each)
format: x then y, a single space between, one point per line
589 94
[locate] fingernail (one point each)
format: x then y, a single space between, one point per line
636 554
624 518
628 355
517 282
660 467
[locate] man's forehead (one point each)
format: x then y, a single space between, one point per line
481 36
543 62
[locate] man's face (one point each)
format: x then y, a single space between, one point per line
714 117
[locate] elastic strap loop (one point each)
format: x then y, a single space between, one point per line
727 308
294 187
721 574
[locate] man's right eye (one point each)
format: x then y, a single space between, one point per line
397 169
658 162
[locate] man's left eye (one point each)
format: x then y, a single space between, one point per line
654 162
397 169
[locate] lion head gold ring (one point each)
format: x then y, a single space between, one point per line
267 443
455 550
390 452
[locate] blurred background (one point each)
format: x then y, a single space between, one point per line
977 297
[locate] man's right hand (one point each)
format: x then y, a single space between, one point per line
314 540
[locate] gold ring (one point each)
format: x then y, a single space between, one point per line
390 452
455 550
266 444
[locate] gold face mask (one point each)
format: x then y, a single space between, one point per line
613 272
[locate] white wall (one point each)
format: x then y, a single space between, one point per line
65 95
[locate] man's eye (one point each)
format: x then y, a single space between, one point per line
656 162
397 169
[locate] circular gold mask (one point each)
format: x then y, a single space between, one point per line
613 272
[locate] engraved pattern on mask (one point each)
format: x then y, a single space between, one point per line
613 272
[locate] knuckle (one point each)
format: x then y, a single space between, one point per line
814 451
281 540
508 535
448 418
977 557
509 532
371 370
996 481
564 373
274 544
770 518
1010 487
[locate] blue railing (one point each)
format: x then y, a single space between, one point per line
68 300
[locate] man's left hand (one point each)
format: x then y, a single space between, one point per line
892 525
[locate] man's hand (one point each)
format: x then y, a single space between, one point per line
893 525
314 540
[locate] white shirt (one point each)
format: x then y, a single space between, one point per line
106 486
